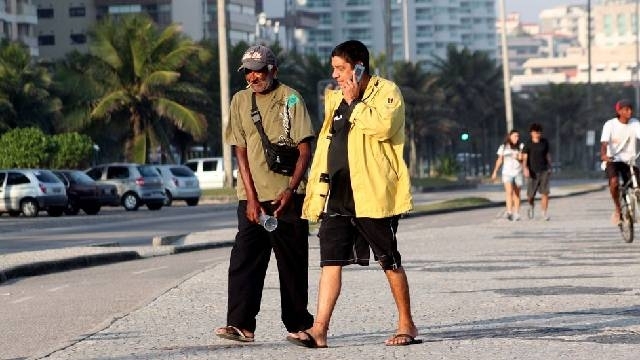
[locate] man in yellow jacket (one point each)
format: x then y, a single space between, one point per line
358 187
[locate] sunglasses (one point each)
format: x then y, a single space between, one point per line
264 70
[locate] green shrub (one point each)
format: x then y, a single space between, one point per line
73 151
25 148
32 148
447 166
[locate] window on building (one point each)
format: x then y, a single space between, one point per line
46 40
608 25
45 13
622 24
77 11
78 39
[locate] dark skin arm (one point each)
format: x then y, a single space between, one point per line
284 198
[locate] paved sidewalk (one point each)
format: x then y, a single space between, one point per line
563 289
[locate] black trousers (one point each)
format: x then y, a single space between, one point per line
248 266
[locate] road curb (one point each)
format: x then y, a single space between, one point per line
51 266
182 243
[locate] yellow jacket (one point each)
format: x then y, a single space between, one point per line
379 176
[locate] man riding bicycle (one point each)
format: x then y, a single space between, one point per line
618 146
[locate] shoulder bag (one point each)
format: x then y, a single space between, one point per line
281 157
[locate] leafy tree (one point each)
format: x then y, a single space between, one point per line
73 151
144 82
24 91
25 148
474 93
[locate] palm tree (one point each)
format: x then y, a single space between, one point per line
474 94
25 99
144 82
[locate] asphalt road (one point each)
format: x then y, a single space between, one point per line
43 312
111 225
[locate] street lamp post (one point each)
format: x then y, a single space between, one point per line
505 70
637 74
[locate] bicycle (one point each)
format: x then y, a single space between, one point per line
628 193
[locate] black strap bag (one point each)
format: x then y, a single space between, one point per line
281 157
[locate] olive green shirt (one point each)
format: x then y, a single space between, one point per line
242 132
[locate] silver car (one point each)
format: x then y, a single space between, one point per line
180 183
28 191
137 184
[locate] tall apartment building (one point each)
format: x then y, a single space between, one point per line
615 23
17 23
566 21
432 26
62 25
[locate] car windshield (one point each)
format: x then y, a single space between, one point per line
46 177
81 178
181 171
148 171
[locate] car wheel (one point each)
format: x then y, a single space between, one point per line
72 208
130 202
168 199
14 213
154 206
55 211
91 210
192 202
29 208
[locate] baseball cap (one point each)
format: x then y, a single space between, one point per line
622 104
257 57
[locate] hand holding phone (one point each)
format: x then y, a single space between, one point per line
358 70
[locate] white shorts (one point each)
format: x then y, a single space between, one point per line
518 179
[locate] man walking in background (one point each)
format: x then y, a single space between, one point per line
537 168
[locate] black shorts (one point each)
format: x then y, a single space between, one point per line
618 167
538 182
346 240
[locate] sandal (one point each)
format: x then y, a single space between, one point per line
409 340
233 333
309 342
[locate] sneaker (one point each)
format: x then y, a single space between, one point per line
545 216
516 217
509 216
530 212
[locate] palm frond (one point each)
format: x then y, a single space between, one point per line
110 103
182 117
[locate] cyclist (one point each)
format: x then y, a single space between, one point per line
618 145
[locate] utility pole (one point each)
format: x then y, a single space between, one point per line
637 77
405 29
224 90
588 58
506 76
388 37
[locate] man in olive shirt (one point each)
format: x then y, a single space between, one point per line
262 191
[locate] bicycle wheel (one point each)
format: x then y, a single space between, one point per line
627 216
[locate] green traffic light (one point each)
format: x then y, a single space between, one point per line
464 136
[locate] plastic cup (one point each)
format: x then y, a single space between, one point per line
268 222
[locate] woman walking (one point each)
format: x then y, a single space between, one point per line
510 158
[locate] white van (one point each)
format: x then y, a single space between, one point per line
209 171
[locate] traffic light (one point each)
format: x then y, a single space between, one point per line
464 136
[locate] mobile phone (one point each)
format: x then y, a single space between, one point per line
358 69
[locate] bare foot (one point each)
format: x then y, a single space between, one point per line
615 217
403 337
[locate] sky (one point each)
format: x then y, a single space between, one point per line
530 9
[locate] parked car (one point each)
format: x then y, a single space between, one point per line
85 193
209 171
180 183
28 191
137 184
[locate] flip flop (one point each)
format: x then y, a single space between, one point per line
233 333
309 342
411 340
